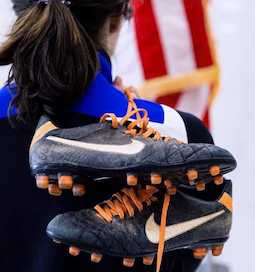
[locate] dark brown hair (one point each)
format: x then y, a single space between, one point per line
52 49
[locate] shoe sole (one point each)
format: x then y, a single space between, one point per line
200 250
61 177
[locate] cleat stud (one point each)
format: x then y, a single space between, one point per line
132 179
200 186
54 190
42 181
172 191
65 182
200 253
128 262
96 258
192 175
74 251
79 190
168 184
217 250
156 179
214 170
148 260
149 187
218 180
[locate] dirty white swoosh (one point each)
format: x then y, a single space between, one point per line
152 228
133 148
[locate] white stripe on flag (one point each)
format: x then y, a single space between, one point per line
127 62
194 101
175 36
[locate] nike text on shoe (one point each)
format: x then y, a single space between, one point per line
143 223
122 149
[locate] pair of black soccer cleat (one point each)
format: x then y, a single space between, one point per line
165 206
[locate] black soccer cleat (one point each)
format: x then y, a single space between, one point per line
123 149
57 156
144 223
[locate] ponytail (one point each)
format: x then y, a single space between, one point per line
53 60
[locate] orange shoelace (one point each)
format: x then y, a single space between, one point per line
141 122
126 202
129 200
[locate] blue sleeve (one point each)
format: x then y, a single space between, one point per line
101 97
5 100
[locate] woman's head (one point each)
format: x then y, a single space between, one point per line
53 51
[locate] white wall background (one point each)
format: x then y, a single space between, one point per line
233 119
6 19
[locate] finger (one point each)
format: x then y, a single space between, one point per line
118 83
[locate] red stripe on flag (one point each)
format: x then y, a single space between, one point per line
148 40
170 100
207 120
196 19
202 51
150 46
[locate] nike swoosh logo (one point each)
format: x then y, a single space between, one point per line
133 148
152 228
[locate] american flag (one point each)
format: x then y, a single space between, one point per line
167 50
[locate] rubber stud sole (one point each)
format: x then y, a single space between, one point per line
148 260
200 253
79 190
42 181
132 179
192 175
200 186
74 251
54 190
217 250
156 179
170 188
65 182
218 180
96 257
128 262
214 170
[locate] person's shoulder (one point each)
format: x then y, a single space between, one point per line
197 132
5 91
